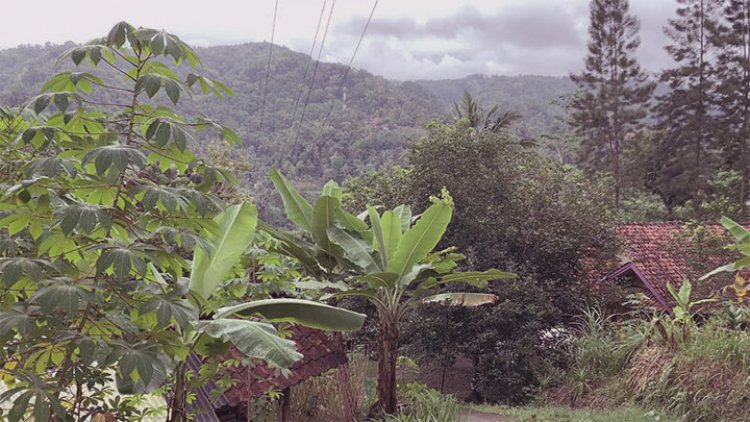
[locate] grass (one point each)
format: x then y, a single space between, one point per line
566 414
698 372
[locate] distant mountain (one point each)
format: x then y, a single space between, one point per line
364 123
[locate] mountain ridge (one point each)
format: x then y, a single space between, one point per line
366 124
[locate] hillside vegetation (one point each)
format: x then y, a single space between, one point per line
365 123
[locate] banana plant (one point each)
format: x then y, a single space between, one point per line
391 261
256 337
742 245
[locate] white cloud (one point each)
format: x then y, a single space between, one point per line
405 42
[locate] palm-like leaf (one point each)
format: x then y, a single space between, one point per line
303 312
462 299
298 210
254 339
236 232
421 239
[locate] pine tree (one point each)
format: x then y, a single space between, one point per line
733 91
613 89
686 139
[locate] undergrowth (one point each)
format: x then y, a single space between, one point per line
423 404
697 372
566 414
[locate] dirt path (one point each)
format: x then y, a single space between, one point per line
474 416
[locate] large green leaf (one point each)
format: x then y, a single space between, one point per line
462 299
379 280
236 231
254 339
356 249
378 241
67 297
476 278
303 312
739 232
421 239
403 213
333 190
392 232
16 319
294 247
724 268
323 216
298 210
141 360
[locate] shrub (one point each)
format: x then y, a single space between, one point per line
423 404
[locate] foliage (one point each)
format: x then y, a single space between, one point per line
732 34
514 210
369 125
686 113
103 204
392 262
628 413
337 396
696 377
741 245
613 90
491 120
425 404
683 312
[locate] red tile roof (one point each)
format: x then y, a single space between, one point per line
321 352
670 252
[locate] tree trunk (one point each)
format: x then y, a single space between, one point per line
282 405
179 399
743 194
442 380
388 336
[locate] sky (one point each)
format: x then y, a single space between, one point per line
407 39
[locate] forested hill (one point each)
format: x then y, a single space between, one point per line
535 98
368 125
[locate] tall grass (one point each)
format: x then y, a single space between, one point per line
696 372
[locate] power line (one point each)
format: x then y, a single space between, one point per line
268 66
315 71
349 65
307 66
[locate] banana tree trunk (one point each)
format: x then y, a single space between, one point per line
388 336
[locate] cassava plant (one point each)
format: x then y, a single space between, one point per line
102 205
391 262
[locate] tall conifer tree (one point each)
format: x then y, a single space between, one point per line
732 38
686 140
613 89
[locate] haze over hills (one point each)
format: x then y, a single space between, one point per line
363 124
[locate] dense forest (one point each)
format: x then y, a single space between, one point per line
364 124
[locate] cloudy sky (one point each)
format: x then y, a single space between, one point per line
407 39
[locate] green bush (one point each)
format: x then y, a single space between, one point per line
423 404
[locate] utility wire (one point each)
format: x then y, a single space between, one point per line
268 66
307 66
349 65
315 71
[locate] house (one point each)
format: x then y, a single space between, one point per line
321 352
658 253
